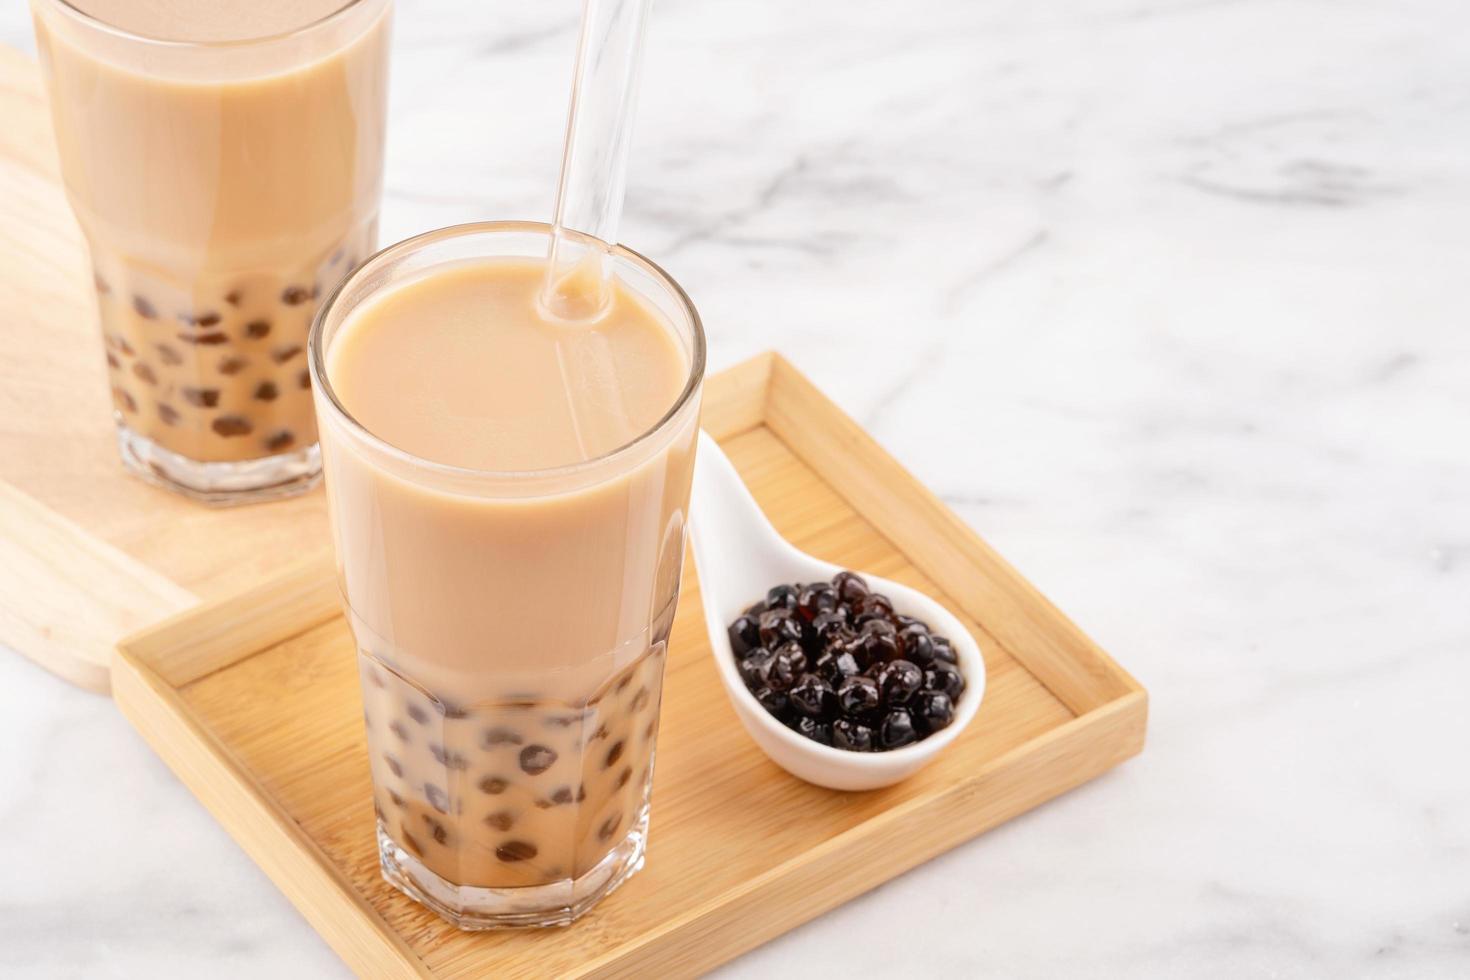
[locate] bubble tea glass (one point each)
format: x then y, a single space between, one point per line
224 182
511 626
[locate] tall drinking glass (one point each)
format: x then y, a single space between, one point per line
511 623
225 179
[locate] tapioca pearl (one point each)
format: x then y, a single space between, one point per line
610 826
398 801
120 344
304 379
283 354
536 759
418 714
581 792
167 414
623 777
113 362
600 734
450 710
100 284
233 297
168 355
394 766
279 441
561 721
447 758
210 319
501 820
124 400
231 425
316 290
613 754
438 799
412 845
256 329
640 700
623 683
144 309
376 678
648 732
493 785
266 391
500 736
295 295
436 830
544 804
516 850
200 397
212 339
232 365
562 796
400 729
144 373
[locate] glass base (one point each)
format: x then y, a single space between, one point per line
557 904
220 484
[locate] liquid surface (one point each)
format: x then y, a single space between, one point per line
460 367
208 20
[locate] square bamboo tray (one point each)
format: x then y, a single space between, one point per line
253 700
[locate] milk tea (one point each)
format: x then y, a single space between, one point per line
224 182
511 633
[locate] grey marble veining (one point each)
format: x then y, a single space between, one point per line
1166 297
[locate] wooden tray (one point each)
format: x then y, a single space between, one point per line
253 701
88 554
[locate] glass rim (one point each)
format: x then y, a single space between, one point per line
92 22
316 356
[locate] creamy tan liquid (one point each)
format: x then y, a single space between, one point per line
222 192
503 631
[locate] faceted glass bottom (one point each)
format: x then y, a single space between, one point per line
220 484
558 903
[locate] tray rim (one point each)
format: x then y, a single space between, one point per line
1109 707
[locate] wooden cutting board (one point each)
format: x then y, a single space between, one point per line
88 554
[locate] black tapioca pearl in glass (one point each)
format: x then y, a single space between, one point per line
304 379
436 830
438 799
400 729
256 329
169 356
648 732
450 710
112 361
609 826
623 777
144 309
394 766
316 290
640 700
418 714
536 759
623 683
232 365
231 425
600 734
501 820
613 754
233 297
266 391
279 441
581 792
376 678
516 850
167 414
500 736
544 804
144 373
210 319
124 400
562 796
121 345
447 758
493 785
397 800
283 354
212 339
100 284
412 845
295 295
561 721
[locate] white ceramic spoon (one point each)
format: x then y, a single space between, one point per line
739 556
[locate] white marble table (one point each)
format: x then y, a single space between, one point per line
1167 297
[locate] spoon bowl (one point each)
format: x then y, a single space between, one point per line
739 556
